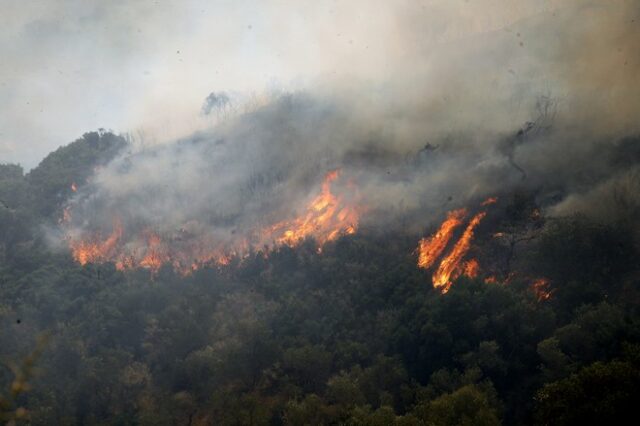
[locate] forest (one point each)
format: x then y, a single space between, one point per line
352 333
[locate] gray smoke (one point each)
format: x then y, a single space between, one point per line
544 103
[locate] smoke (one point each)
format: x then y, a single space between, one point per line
477 109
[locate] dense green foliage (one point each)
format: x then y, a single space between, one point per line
354 335
602 393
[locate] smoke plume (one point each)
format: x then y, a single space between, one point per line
548 102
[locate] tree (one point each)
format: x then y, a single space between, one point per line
602 393
469 405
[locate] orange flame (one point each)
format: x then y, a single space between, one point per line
94 251
441 278
491 280
156 254
489 201
471 268
74 188
325 218
429 249
452 266
541 289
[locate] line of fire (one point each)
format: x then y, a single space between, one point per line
325 218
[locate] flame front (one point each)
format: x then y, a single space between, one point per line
156 254
452 265
94 250
442 276
325 218
430 249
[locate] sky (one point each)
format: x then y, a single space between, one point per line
145 67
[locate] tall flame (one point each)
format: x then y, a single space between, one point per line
441 278
451 266
430 249
156 254
94 250
325 218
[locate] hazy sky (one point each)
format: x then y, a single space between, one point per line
71 66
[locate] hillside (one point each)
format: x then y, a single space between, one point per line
346 329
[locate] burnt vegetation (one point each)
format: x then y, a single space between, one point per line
354 334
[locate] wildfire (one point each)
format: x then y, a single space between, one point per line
94 250
471 268
430 249
452 265
541 289
325 218
74 188
491 280
489 201
448 265
156 254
